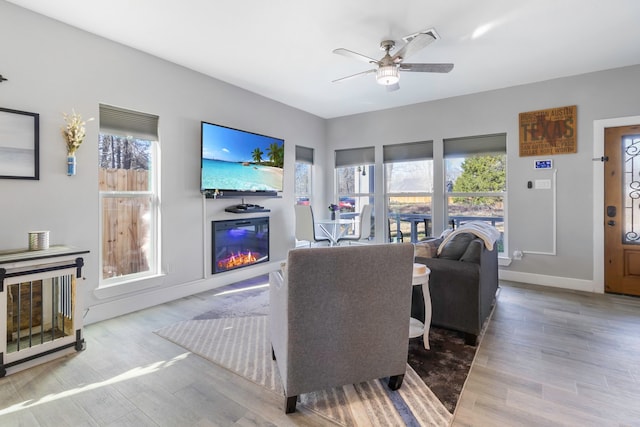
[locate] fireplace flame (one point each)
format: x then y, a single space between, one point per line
237 260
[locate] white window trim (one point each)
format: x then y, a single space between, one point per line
310 186
114 283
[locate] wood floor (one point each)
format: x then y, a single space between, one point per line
548 357
552 357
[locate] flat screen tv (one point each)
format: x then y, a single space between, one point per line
239 163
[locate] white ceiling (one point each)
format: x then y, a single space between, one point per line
282 49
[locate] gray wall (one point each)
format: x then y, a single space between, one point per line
607 94
53 68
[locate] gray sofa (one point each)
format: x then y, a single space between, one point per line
340 316
463 284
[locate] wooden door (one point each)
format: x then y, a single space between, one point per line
622 210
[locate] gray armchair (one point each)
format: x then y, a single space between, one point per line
340 316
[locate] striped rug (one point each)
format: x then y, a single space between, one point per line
241 345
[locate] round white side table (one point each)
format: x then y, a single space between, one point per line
416 328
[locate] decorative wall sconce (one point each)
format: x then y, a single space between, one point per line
73 133
71 164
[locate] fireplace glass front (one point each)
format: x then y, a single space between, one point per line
239 243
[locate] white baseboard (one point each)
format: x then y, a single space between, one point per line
552 281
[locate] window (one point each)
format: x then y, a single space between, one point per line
476 181
302 179
129 201
408 175
355 175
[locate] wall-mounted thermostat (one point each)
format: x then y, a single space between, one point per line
543 164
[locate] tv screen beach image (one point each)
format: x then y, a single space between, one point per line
241 161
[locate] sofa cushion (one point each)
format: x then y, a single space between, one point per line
473 252
457 246
427 248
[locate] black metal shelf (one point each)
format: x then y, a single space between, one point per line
234 209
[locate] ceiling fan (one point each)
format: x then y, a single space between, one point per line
389 67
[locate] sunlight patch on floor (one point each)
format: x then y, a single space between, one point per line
133 373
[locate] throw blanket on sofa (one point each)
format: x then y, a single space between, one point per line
488 233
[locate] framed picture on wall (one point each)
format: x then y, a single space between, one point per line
19 144
549 132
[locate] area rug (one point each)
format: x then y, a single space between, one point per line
241 345
443 368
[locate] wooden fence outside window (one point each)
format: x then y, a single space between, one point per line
125 222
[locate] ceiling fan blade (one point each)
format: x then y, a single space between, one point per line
427 68
417 43
393 87
355 55
353 76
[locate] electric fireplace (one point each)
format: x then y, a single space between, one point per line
239 243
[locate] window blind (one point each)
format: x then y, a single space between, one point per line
407 152
355 156
304 154
119 121
484 144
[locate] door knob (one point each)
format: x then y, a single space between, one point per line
611 223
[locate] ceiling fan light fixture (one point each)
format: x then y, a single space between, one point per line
387 75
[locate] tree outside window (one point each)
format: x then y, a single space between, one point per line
476 187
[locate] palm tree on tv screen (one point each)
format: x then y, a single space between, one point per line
257 155
276 154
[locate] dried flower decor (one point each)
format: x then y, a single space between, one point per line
74 132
